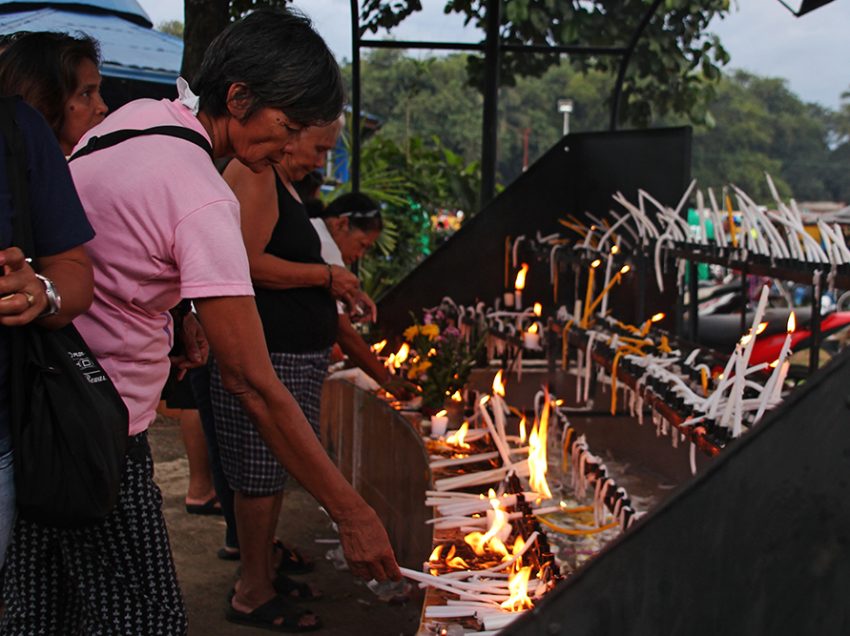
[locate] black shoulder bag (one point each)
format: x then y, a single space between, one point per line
68 422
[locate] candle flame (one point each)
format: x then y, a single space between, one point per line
519 544
745 339
441 413
436 554
625 269
401 355
457 397
498 385
596 263
390 363
379 346
533 328
522 431
615 249
537 461
792 323
518 587
456 438
490 541
559 402
658 317
774 364
538 309
457 563
761 327
519 285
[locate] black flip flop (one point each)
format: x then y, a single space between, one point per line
209 507
291 560
229 554
265 616
294 590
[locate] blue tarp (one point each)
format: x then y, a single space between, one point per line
129 50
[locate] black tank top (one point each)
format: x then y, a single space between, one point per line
302 319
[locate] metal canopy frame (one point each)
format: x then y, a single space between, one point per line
492 49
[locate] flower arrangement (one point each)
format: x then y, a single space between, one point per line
441 359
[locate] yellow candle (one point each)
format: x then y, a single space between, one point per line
645 330
732 231
590 284
617 277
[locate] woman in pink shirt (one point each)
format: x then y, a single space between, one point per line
168 228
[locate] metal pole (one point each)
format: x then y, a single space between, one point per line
354 159
745 299
490 119
693 292
814 347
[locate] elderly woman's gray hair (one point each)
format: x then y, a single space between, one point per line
284 63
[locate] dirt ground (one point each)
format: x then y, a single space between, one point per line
348 608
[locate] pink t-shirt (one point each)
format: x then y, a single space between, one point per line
167 228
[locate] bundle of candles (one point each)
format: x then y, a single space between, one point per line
681 390
751 234
492 559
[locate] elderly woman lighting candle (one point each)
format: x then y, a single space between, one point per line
167 227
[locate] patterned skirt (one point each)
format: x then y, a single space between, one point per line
248 464
115 577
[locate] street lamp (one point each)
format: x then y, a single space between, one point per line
565 106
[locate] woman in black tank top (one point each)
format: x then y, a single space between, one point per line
296 294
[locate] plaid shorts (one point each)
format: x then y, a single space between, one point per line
248 464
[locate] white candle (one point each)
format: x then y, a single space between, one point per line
439 423
499 441
777 388
608 266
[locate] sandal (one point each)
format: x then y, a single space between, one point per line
229 554
292 589
209 507
291 560
277 608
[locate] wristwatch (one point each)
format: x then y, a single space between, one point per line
54 300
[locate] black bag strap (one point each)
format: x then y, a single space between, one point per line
116 137
16 174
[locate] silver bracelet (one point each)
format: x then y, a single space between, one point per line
54 300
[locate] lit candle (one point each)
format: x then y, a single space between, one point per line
614 250
531 338
773 389
604 295
656 318
590 285
439 422
519 285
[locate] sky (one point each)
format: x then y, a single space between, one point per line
762 36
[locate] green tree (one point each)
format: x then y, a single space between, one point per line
760 126
172 27
205 19
676 62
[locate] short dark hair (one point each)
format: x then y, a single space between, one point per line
361 211
42 68
281 59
